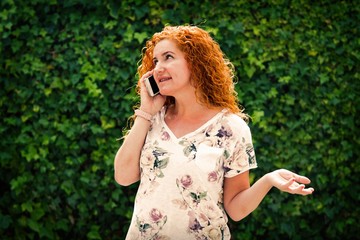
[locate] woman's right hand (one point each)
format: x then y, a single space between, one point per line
150 104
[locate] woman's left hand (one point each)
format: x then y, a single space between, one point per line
290 182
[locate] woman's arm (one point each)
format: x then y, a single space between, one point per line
240 199
127 159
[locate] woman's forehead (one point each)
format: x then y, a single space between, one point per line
164 46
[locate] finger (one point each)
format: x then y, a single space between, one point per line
288 183
303 191
297 188
307 191
301 179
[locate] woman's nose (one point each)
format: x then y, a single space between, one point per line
159 68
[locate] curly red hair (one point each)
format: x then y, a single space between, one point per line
212 74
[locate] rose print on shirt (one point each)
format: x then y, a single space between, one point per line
165 136
243 157
155 159
206 219
150 226
205 227
215 136
186 181
213 176
152 163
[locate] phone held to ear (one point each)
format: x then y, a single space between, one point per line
151 86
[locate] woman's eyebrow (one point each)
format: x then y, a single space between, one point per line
167 52
164 54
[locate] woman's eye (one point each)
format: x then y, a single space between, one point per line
168 56
155 61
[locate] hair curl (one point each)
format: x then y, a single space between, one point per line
212 73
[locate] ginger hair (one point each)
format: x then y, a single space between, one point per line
212 73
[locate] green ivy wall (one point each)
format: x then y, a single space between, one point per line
67 77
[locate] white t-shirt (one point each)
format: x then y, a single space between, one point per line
180 195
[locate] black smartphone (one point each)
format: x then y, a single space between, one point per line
151 86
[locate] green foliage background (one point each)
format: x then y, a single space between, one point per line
67 73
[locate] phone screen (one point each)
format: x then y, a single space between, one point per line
153 85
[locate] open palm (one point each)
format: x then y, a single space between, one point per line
290 182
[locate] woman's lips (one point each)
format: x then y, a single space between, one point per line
165 79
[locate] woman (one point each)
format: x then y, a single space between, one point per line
190 146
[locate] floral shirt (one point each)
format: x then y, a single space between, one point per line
180 195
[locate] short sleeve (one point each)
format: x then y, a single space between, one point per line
242 156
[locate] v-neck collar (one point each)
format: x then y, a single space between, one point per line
187 135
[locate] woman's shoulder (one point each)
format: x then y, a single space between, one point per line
235 120
238 126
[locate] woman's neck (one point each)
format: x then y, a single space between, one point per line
190 110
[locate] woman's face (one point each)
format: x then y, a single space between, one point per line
171 71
